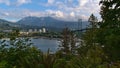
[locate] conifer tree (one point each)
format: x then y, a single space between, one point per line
109 32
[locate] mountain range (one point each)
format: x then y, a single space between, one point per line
38 22
5 25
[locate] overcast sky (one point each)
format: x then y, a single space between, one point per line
14 10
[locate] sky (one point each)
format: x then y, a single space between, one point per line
14 10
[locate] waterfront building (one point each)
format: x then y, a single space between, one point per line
35 30
40 30
23 33
30 30
43 30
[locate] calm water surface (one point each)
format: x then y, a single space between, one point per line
44 44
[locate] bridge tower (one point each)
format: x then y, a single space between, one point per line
79 28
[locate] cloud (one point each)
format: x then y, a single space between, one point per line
20 2
63 9
72 14
51 1
15 3
6 14
82 9
82 2
7 2
59 14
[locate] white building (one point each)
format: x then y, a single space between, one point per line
30 30
40 30
43 30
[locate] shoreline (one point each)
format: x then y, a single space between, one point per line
46 38
36 37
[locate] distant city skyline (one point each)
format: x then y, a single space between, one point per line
14 10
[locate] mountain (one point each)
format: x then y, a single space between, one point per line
50 22
5 25
38 22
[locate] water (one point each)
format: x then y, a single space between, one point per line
44 44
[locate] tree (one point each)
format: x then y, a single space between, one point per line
1 35
90 35
72 43
18 53
110 13
93 21
91 53
68 45
14 34
109 32
93 57
65 48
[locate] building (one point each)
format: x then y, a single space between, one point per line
30 30
40 30
35 30
23 33
43 30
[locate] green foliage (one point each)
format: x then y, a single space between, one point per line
65 42
60 63
68 45
3 64
93 21
1 35
91 56
14 49
104 39
110 13
48 60
19 53
99 46
109 32
14 34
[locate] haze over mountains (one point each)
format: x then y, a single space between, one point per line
38 22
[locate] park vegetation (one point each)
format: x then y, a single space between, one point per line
99 47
